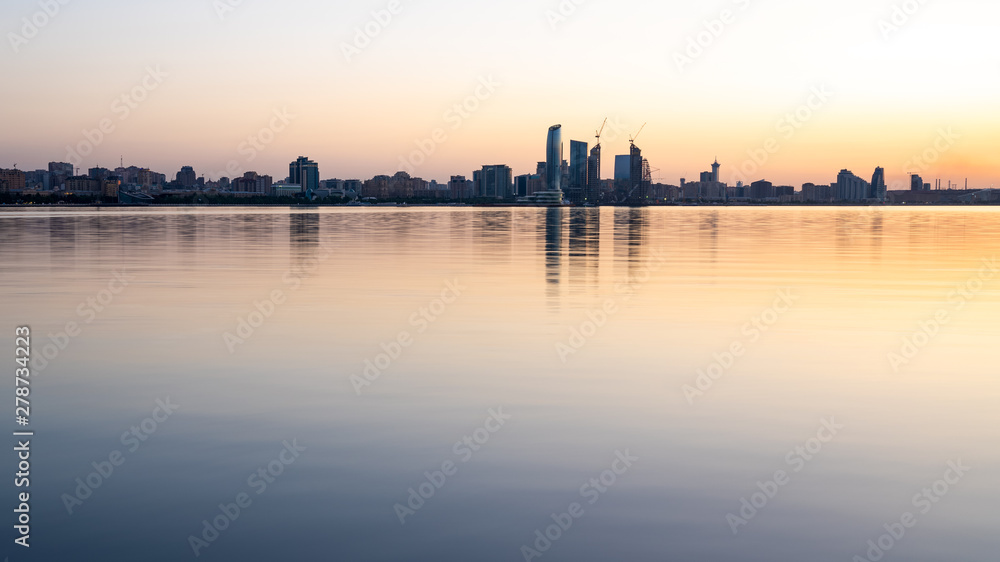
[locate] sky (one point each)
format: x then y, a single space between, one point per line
788 90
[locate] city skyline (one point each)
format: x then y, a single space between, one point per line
863 87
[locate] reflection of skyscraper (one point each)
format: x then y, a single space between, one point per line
584 246
303 242
553 159
553 249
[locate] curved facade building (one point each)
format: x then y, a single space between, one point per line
553 159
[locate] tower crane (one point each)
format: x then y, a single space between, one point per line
632 139
601 131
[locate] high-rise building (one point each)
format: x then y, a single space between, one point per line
639 182
99 174
496 182
761 190
12 180
60 172
253 183
715 171
521 185
459 188
553 159
304 172
84 185
878 185
187 178
110 187
592 194
578 169
851 188
916 183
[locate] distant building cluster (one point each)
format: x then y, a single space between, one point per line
555 181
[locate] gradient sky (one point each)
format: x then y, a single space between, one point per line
227 75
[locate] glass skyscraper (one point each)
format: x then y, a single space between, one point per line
304 172
553 159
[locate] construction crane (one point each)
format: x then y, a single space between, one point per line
631 139
601 131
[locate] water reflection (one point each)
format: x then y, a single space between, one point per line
864 282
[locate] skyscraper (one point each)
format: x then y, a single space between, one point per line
592 194
578 169
715 171
186 177
496 182
850 187
304 172
638 178
916 183
878 185
553 159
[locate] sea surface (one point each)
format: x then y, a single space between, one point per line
490 384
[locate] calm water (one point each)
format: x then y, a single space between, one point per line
585 331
